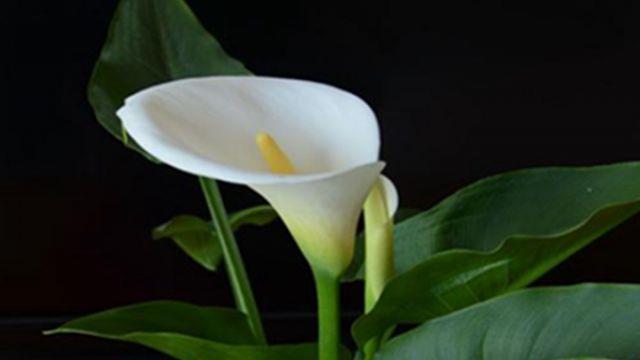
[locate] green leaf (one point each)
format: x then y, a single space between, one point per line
151 42
184 331
504 232
532 202
257 215
405 213
184 347
195 237
198 238
159 317
586 321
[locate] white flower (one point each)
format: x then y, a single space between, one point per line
208 127
379 209
391 197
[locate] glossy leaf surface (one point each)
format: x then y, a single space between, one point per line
577 322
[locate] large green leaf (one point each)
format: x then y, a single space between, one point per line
504 233
198 238
158 317
586 321
531 202
152 42
185 332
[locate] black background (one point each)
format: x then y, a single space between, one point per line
462 91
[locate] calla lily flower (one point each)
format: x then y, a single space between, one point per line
311 150
391 197
379 210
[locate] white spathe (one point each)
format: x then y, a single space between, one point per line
207 127
391 196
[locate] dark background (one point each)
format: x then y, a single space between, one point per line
462 91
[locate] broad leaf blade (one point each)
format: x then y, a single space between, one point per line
185 332
151 42
209 323
586 321
521 247
532 202
195 237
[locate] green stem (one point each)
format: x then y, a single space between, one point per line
328 293
242 293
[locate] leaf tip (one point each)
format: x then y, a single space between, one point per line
52 332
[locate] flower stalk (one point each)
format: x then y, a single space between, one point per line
238 278
328 294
